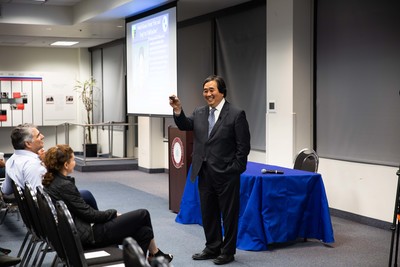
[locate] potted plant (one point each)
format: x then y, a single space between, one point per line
85 90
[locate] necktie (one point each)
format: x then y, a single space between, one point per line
211 120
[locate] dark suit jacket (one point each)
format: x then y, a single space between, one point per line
227 147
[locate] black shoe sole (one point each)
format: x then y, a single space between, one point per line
204 257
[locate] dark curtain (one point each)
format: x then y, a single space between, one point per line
358 81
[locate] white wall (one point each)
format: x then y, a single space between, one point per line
279 124
61 61
70 62
363 189
289 79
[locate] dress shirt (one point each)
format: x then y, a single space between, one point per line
23 166
218 109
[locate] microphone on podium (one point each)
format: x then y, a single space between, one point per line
271 171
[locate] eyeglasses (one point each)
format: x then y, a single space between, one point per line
39 134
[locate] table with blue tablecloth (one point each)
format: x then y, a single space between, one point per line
274 208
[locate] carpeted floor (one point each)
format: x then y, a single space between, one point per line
356 244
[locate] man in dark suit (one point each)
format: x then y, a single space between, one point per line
220 149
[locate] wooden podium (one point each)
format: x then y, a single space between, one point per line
180 148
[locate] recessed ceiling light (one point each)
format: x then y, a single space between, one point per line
64 43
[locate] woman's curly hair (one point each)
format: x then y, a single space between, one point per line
54 160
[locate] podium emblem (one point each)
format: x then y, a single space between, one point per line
177 152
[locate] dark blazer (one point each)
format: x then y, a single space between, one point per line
63 188
227 147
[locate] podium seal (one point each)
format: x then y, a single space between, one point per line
177 152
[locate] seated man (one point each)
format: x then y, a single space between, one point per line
25 165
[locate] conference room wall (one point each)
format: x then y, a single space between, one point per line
363 189
356 188
61 61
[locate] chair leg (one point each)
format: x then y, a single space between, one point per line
4 216
55 261
24 243
43 249
29 252
37 254
8 207
25 252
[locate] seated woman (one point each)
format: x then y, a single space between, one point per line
86 194
96 228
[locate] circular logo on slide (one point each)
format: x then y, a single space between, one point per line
165 23
177 152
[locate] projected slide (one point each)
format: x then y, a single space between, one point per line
151 63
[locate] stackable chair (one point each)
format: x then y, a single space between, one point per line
75 254
31 240
7 204
306 160
37 226
133 254
48 215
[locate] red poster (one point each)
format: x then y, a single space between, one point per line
17 95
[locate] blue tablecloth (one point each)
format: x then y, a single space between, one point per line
274 208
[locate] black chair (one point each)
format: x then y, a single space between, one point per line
75 254
7 204
133 254
38 228
134 257
306 160
48 216
30 240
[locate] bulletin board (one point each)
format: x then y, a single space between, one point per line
39 98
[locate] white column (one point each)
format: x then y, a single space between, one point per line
151 145
289 79
279 123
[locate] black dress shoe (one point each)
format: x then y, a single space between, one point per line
204 256
223 259
166 256
5 251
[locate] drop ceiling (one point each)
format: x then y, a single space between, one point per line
33 23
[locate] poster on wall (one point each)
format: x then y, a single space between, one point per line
36 98
58 89
16 104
